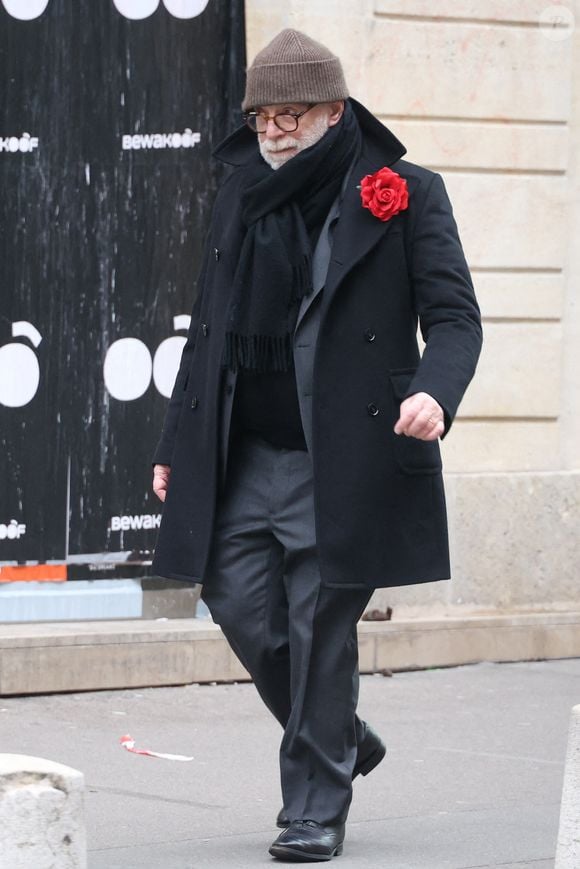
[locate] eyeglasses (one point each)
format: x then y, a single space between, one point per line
285 121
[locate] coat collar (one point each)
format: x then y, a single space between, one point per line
357 230
240 147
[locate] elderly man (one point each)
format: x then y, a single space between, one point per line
299 461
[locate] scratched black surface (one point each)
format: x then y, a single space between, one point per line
98 243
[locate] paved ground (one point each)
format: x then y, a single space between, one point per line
472 779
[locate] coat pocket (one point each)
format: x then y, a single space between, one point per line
412 455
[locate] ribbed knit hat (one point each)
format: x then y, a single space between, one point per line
294 68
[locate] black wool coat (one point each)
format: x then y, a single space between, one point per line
379 498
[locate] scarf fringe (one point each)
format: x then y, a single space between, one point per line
259 353
302 277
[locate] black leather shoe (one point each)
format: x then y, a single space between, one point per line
369 754
308 842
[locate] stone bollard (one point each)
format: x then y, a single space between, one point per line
568 850
42 824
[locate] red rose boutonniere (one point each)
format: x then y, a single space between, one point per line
384 194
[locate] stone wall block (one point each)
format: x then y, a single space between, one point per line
518 374
478 72
493 145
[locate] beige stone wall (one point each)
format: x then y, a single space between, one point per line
488 94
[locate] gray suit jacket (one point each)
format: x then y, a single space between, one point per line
308 323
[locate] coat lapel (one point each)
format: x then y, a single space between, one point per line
357 230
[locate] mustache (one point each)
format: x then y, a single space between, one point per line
279 145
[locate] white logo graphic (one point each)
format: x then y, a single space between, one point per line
23 143
146 141
26 10
19 368
12 530
128 367
137 9
134 523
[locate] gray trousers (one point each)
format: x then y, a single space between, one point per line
297 639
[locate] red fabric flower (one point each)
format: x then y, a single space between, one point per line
385 193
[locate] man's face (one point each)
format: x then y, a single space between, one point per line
277 146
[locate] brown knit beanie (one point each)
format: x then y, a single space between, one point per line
294 68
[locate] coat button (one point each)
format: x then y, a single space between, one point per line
204 329
372 409
216 253
369 335
194 402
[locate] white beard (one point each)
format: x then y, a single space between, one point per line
269 149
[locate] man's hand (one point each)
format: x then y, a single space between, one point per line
421 417
160 480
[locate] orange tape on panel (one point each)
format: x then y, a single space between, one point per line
34 573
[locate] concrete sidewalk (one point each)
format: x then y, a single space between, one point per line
472 778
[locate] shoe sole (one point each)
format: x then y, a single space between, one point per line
294 856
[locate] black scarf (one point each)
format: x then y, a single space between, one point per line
283 211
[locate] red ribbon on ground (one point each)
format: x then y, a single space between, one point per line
128 743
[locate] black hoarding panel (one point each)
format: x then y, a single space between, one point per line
109 110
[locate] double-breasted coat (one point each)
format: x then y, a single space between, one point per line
379 498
